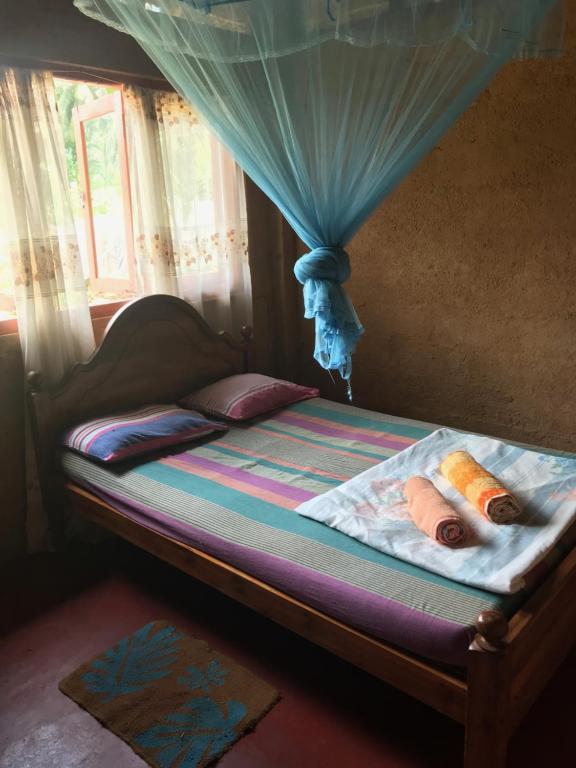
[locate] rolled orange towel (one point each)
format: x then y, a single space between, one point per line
486 494
433 514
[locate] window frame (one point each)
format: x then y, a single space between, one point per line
107 309
91 75
8 326
110 104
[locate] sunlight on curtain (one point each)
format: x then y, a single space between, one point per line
328 104
37 232
188 209
38 239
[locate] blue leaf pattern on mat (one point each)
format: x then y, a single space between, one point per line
133 663
197 680
199 731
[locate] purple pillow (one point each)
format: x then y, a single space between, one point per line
133 433
246 396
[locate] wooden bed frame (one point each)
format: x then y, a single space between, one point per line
158 348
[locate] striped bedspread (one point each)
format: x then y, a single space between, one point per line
234 497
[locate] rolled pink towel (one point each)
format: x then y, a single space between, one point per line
432 514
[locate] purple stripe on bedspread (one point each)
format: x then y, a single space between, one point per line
282 489
381 617
331 430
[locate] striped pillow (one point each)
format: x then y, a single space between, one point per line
133 433
246 396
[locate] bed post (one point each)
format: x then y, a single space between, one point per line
247 333
45 451
488 722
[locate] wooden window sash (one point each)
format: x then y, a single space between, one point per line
110 104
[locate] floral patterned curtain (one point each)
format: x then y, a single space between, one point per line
38 239
188 209
37 231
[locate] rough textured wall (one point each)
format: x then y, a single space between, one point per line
465 278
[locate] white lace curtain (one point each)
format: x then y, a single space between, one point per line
188 209
38 240
37 233
189 223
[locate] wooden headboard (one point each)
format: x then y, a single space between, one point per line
154 350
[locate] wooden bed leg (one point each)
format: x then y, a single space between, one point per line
488 699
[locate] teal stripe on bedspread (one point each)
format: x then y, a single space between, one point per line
378 573
299 433
330 410
287 472
254 508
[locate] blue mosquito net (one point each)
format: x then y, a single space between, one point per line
328 104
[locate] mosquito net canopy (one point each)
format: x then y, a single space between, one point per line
328 104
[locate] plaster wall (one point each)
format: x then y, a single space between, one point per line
465 278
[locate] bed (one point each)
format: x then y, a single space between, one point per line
223 511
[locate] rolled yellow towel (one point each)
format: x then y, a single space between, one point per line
483 490
432 514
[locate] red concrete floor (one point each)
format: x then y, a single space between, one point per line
60 610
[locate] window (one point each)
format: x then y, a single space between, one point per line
160 211
7 306
7 309
92 118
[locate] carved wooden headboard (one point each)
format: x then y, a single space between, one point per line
155 350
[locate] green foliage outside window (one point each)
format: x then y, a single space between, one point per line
100 143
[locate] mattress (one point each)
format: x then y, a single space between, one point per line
234 497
